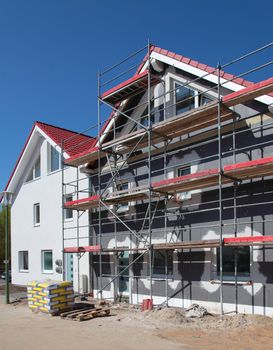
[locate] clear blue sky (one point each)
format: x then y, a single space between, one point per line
51 51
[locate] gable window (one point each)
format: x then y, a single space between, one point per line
54 159
35 171
36 213
184 99
229 257
68 213
47 264
162 263
23 261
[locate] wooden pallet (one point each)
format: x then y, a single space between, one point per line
86 314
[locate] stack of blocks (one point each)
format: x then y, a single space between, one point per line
49 296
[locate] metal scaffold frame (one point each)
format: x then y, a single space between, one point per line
120 151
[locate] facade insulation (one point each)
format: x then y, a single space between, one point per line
174 174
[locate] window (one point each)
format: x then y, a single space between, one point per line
54 159
162 262
36 214
68 213
243 261
182 196
47 265
144 117
204 99
23 261
186 170
122 187
35 172
184 99
37 169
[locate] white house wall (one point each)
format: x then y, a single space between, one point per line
47 190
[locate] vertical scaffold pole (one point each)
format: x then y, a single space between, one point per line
220 187
99 187
149 170
63 193
78 233
235 185
166 221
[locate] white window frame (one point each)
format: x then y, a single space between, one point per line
42 256
33 171
68 198
49 169
35 222
196 102
21 261
172 78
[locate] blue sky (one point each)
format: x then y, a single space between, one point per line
51 51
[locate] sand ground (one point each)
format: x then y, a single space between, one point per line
131 329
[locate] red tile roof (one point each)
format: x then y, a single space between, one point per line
196 64
75 143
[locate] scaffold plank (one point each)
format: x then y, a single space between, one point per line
83 203
194 120
262 88
84 249
248 240
85 157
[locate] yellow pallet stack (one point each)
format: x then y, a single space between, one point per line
50 297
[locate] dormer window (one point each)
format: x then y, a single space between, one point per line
35 171
184 99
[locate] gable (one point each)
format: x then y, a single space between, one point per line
72 143
161 58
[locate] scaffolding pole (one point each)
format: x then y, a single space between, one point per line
220 186
99 184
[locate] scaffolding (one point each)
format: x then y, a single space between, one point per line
216 121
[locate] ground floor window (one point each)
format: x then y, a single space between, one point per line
23 261
47 264
229 261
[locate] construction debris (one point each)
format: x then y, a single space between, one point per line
196 310
50 297
86 313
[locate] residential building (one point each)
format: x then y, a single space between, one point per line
171 201
180 188
36 211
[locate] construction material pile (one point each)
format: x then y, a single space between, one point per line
50 296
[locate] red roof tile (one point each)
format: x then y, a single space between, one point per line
75 143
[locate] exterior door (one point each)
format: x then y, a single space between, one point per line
69 267
123 261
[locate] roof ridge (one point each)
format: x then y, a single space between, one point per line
37 122
200 65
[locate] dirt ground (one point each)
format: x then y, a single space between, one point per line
130 329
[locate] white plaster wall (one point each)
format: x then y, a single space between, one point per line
47 190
